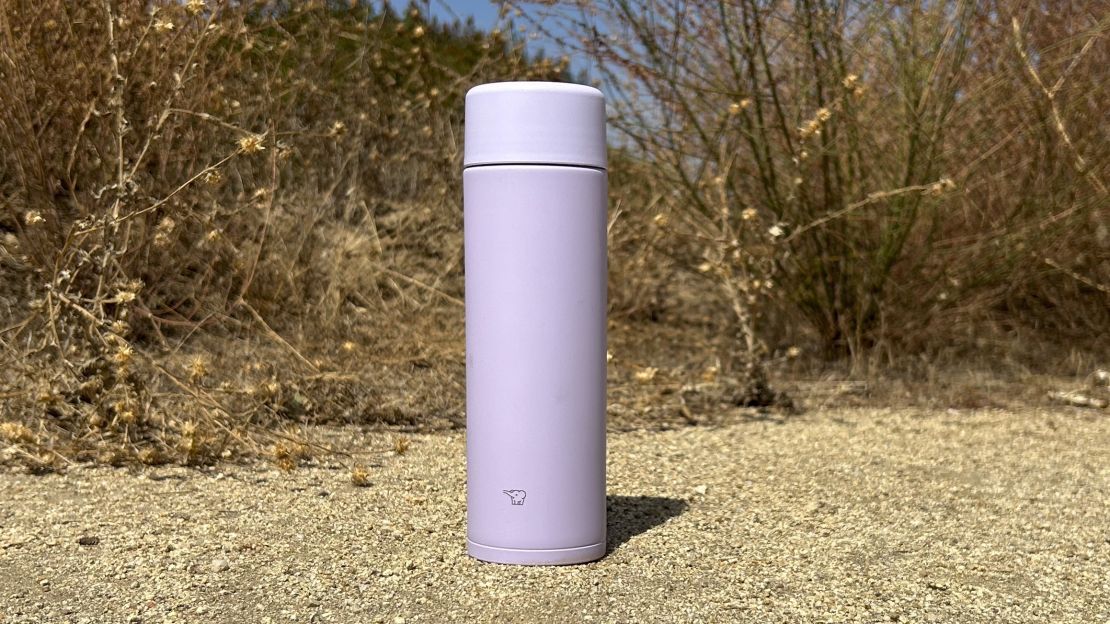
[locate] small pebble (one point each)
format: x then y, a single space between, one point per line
220 564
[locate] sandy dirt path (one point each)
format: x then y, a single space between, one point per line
841 516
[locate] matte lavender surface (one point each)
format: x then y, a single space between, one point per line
535 338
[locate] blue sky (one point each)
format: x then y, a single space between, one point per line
483 11
485 14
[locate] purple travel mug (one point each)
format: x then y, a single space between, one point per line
534 197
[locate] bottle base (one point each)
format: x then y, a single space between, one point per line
520 556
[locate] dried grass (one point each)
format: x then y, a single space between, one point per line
222 223
200 199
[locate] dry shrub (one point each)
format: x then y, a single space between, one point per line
892 176
1021 257
220 220
641 269
266 176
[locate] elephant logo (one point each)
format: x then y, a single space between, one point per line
516 497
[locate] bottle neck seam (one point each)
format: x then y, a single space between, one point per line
534 164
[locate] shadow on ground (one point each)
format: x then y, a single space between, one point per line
630 516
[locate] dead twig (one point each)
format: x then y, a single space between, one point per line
1075 276
1050 94
420 284
939 185
276 336
1077 399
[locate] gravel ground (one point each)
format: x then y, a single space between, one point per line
848 515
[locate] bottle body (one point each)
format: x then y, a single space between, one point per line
536 278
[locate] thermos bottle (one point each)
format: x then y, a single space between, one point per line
534 197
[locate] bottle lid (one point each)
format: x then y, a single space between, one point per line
548 123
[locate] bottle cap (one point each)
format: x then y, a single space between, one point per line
545 123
